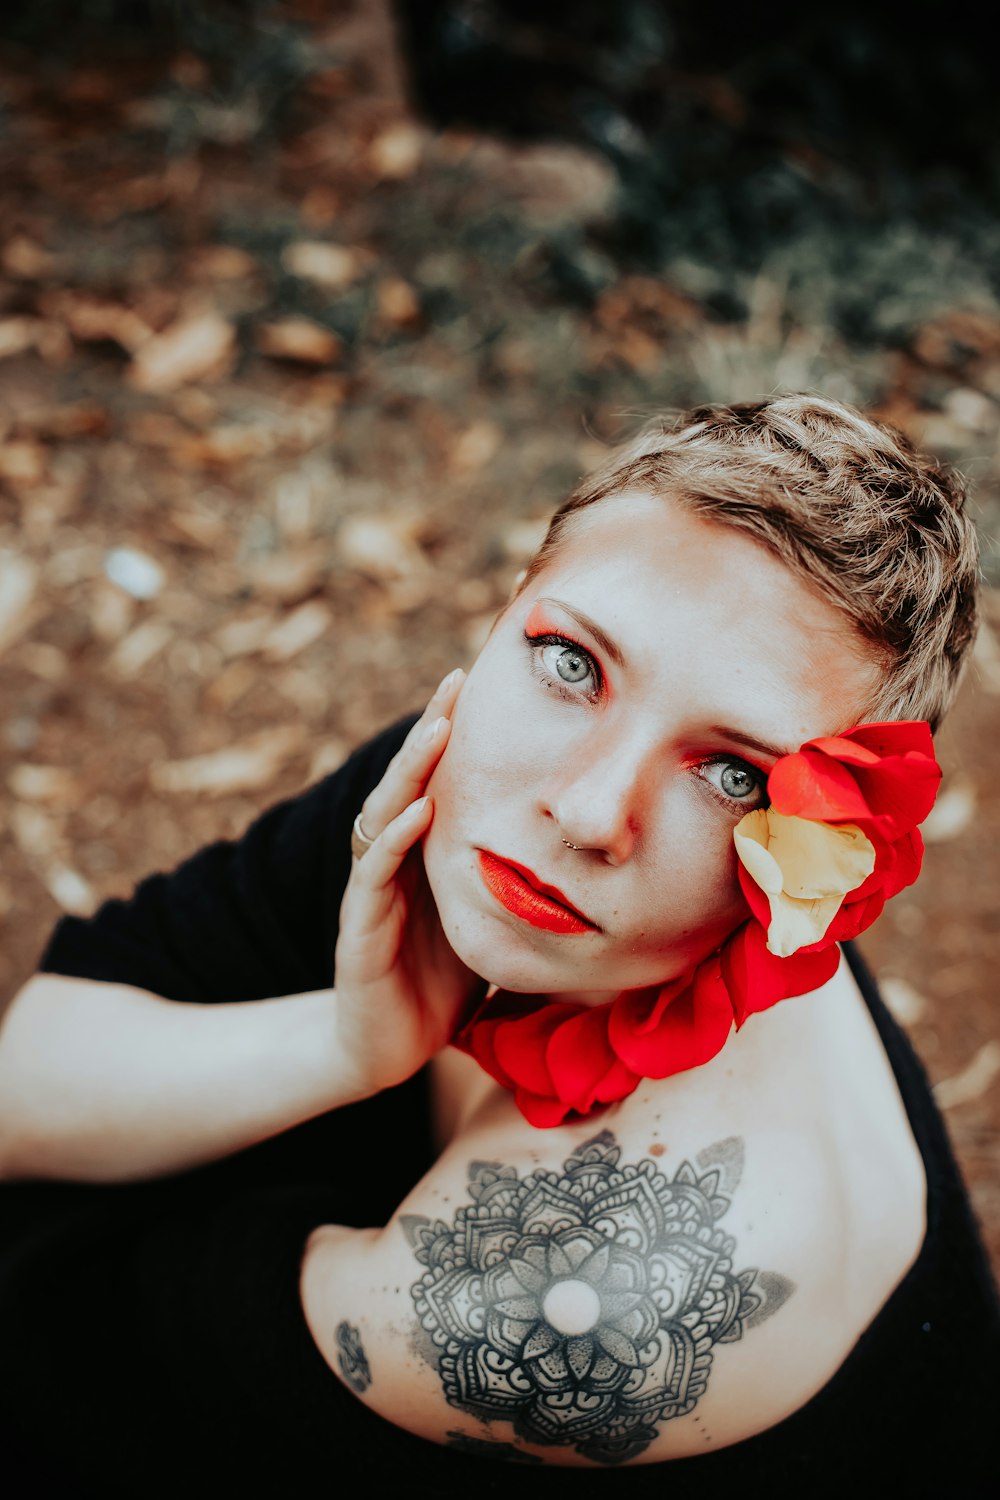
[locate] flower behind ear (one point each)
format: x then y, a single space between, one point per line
840 835
805 869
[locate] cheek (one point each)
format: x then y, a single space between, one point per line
695 893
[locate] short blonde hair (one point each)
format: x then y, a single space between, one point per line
846 503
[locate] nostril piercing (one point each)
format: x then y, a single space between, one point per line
569 845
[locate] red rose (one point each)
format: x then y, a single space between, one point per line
881 777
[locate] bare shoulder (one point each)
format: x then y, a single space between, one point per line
676 1276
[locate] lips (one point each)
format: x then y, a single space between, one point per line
527 897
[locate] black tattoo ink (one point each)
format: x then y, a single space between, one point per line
584 1305
351 1358
485 1448
773 1291
727 1155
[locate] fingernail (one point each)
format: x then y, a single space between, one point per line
449 681
432 731
415 808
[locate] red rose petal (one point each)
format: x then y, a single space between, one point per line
578 1055
541 1112
691 1030
477 1042
900 792
756 898
756 979
809 784
898 737
519 1045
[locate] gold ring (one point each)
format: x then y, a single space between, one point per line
360 842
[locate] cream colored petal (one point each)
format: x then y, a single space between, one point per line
796 924
818 860
752 836
805 869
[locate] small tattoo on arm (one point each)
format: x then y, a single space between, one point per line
584 1306
351 1358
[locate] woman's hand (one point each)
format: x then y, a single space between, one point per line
401 989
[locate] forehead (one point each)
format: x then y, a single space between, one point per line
696 603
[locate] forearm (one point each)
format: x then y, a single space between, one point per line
104 1082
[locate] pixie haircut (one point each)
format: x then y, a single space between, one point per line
846 503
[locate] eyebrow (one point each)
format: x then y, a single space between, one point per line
725 731
742 738
605 642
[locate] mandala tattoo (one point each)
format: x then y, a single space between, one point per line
584 1305
351 1358
462 1442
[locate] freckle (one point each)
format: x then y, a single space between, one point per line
656 1149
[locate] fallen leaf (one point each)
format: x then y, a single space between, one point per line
221 263
906 1004
244 635
34 783
196 347
475 448
93 320
396 151
331 266
974 1079
22 462
25 259
36 833
139 648
71 890
228 444
396 303
289 576
951 814
110 611
522 539
44 660
235 679
17 335
298 339
243 767
298 631
327 757
136 572
381 546
18 582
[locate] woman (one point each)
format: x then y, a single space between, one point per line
612 1229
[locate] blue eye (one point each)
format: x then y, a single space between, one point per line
741 785
567 665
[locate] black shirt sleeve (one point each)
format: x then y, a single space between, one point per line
246 919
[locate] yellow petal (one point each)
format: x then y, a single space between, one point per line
752 836
819 859
805 869
796 924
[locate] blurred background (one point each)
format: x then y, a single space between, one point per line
310 313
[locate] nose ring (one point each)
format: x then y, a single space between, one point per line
571 846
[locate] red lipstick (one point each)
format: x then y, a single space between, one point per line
527 897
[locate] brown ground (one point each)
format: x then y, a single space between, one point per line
327 385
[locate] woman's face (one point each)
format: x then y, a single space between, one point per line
630 701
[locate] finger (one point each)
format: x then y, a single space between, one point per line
371 886
407 773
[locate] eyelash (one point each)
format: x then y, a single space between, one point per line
537 643
736 804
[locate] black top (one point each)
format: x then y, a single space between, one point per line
151 1337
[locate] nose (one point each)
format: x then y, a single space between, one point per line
599 796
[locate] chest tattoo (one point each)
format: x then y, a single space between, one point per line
584 1305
